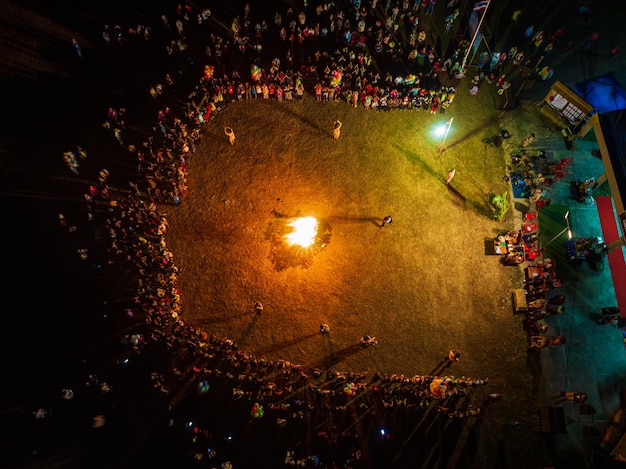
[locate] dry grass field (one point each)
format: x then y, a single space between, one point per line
421 285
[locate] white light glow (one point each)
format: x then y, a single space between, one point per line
304 231
443 129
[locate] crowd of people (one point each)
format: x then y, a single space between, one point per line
540 285
282 393
525 61
339 52
378 57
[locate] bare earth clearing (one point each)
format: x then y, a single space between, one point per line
422 285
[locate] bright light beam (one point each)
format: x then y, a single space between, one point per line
304 231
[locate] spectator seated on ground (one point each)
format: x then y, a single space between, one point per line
513 258
554 283
611 320
548 264
512 237
554 310
556 300
541 341
530 239
536 195
535 327
536 304
537 281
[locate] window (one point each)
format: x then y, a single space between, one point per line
571 113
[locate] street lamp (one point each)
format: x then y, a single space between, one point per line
447 125
567 228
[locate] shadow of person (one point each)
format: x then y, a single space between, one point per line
442 365
286 343
327 343
249 328
458 199
333 358
312 124
347 220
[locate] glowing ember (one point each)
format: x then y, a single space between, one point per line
304 231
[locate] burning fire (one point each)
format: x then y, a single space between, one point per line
304 231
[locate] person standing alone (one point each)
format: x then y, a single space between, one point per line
453 356
230 133
451 173
77 48
337 129
386 221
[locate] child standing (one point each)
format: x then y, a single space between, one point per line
336 129
230 133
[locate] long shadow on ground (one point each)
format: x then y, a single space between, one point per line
336 357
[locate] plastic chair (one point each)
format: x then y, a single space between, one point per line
543 203
530 227
529 216
532 255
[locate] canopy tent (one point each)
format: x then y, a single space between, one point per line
604 93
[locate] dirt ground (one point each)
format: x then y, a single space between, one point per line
422 285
